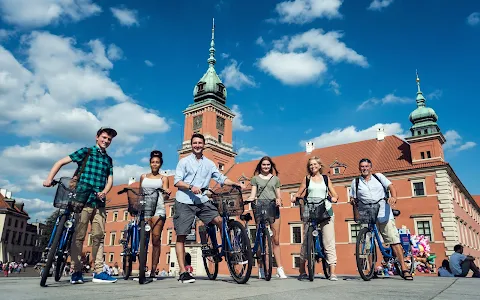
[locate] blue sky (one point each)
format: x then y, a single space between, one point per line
331 71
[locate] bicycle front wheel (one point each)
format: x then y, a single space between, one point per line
267 256
210 257
142 256
53 250
310 254
239 255
366 253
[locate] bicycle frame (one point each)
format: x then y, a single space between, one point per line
317 239
258 238
226 243
386 252
133 233
66 230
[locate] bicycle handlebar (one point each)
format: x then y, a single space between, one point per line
297 200
245 202
133 190
356 200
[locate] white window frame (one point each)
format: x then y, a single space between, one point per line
172 207
221 166
168 259
111 257
89 241
349 188
291 233
424 187
429 219
252 238
350 223
336 170
112 239
293 260
169 241
115 216
125 215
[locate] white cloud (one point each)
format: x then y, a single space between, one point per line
455 142
225 55
335 87
252 153
149 63
379 4
114 52
328 44
5 34
37 208
238 120
233 78
300 59
6 184
436 94
293 68
63 79
121 174
352 134
305 11
39 13
260 41
473 19
388 99
126 17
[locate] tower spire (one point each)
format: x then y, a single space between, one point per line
211 59
420 98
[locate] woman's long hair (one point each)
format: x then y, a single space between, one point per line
273 167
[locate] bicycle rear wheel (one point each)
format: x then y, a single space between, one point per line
53 250
326 268
310 254
142 256
267 256
240 254
366 253
127 265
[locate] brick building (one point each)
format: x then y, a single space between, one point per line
432 199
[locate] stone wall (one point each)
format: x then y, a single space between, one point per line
445 204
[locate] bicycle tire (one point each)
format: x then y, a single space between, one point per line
359 262
267 255
59 266
310 254
206 260
142 255
246 254
127 265
53 250
326 268
64 258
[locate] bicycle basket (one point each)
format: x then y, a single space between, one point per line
142 199
264 210
69 197
365 213
314 211
228 200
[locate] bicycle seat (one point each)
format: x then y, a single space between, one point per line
396 212
246 217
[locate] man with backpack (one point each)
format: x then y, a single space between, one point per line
369 188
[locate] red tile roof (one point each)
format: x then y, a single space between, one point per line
389 155
477 199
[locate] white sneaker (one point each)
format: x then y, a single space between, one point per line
261 274
281 273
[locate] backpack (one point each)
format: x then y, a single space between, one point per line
325 180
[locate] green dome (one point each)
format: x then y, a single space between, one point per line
423 113
210 83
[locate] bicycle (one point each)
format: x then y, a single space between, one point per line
369 236
264 212
315 251
235 245
142 202
72 201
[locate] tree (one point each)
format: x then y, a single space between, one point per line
49 224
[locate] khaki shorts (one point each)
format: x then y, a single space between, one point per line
389 232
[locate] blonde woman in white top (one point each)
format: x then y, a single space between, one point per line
318 190
155 180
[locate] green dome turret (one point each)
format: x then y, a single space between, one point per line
210 86
423 118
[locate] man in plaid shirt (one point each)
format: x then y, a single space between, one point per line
98 173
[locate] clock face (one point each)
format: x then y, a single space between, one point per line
197 122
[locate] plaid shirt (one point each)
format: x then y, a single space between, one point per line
97 169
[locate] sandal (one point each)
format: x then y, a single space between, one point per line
407 277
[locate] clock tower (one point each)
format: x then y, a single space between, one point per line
209 115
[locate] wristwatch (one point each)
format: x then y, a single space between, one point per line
190 187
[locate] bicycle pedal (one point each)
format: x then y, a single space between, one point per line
217 259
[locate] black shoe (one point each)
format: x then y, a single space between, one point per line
185 277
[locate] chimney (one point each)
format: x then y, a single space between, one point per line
131 180
309 146
8 194
380 134
3 192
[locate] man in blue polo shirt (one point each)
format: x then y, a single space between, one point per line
193 174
